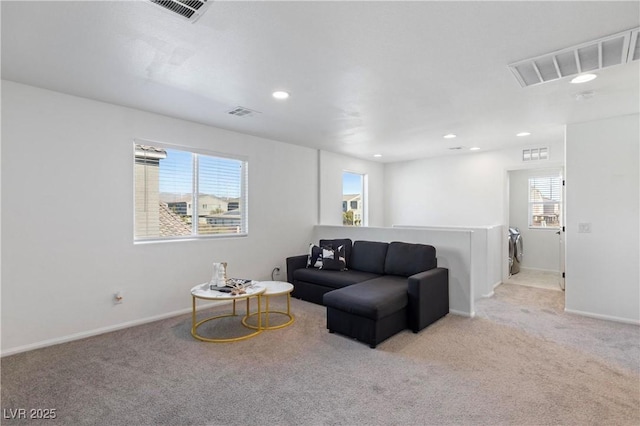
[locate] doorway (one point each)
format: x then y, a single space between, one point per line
535 201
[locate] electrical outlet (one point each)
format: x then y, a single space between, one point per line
275 272
584 228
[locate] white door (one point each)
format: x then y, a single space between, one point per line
560 233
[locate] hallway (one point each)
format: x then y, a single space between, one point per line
536 278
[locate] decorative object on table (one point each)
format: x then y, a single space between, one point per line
219 278
238 289
233 281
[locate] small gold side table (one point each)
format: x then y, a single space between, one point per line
273 288
202 291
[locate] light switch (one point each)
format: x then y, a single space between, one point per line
584 228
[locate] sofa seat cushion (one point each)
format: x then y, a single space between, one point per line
332 279
376 298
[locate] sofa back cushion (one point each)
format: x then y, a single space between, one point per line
407 259
369 256
334 244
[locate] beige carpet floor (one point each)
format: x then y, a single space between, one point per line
521 361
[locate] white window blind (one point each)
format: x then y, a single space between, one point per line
545 201
184 194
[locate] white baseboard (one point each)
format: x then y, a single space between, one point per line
462 314
491 293
527 268
103 330
603 317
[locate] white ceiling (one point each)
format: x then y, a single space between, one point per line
364 77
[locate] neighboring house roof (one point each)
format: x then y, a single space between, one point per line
150 151
229 214
350 197
187 198
171 224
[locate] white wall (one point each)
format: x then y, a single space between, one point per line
62 263
541 247
467 190
602 189
458 190
331 168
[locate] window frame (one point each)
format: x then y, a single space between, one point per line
364 217
243 197
531 204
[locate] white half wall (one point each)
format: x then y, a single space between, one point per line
602 191
67 218
331 166
485 271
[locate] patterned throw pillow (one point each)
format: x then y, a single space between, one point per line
333 260
315 256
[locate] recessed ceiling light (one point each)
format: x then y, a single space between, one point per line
449 136
475 148
377 155
280 94
523 134
583 78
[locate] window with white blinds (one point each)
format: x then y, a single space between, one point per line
545 202
184 194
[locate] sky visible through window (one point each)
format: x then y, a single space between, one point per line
218 176
351 183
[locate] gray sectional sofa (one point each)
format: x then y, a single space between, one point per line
385 288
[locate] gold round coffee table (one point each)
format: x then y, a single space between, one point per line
202 291
273 288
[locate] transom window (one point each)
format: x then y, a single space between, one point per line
183 194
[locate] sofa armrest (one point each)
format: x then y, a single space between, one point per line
428 293
295 262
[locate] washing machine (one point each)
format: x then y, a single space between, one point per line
515 250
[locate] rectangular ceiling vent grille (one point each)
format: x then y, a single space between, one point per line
242 112
190 10
595 55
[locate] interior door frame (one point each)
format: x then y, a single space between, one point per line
506 214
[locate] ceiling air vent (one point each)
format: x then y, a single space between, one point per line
242 112
190 10
595 55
